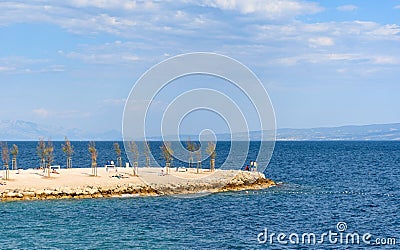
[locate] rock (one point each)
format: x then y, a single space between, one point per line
48 192
66 191
78 192
93 191
223 181
97 195
28 194
14 195
39 192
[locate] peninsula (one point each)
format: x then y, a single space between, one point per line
33 184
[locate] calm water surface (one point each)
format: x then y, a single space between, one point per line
323 183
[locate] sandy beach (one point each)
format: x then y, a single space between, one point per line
80 183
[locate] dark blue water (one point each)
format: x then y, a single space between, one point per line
323 183
28 158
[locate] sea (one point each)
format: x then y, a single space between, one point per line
330 195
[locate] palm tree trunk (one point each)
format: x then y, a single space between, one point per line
7 172
119 162
93 166
14 163
94 169
135 168
69 162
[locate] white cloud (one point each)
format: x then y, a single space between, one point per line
386 60
123 18
286 44
78 16
163 28
105 4
146 19
349 30
115 53
6 69
318 58
347 7
17 64
397 7
45 113
388 30
41 112
321 41
97 58
130 58
117 102
272 9
100 23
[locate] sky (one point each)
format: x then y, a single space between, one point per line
73 63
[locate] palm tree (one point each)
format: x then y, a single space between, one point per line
118 152
191 147
68 149
167 152
93 153
133 149
49 155
40 150
5 156
198 156
211 151
14 152
147 153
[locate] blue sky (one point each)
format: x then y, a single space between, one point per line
324 63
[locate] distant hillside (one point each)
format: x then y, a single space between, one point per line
378 132
28 131
22 130
365 132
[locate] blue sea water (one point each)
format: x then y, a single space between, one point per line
323 183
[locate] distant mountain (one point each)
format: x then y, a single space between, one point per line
23 130
364 132
378 132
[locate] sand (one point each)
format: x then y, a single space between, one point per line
80 183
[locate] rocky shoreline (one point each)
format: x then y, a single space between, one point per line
241 181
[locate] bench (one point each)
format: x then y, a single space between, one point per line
110 166
55 167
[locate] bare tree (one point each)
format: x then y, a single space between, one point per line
93 153
68 149
14 152
5 156
49 155
40 150
133 150
118 152
191 147
211 151
147 153
167 152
